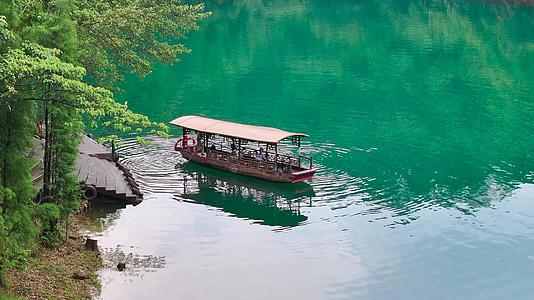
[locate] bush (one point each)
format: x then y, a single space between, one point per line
47 216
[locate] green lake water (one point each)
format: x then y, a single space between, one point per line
421 123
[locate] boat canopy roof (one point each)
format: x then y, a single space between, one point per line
235 130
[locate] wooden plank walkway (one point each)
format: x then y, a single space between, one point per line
94 166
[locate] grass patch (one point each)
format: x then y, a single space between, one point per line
4 296
49 273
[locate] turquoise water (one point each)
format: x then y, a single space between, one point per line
420 116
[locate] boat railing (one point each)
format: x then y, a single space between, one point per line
307 159
247 158
199 146
262 164
300 161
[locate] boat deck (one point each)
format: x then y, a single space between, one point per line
286 169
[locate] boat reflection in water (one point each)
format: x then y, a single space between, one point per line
264 202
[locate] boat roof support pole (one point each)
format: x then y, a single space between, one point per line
206 138
276 157
238 148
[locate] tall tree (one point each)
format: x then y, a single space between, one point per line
45 49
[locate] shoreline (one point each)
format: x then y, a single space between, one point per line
68 271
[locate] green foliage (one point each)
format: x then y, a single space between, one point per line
141 141
5 35
17 232
139 33
47 211
40 70
47 216
16 191
4 296
45 49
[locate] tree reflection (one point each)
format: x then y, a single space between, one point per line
430 100
441 89
102 214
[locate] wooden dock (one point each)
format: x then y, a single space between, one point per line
98 167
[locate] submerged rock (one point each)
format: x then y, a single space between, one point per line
121 266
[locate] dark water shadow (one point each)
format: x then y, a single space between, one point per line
266 203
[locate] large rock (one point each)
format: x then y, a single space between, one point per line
121 266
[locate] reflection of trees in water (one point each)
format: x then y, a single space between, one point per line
448 85
403 197
102 214
262 201
136 265
430 99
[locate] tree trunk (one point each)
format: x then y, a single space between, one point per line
46 163
3 283
91 245
6 148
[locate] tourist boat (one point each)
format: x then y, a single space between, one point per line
242 149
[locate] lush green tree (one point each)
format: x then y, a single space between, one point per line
45 49
16 191
131 34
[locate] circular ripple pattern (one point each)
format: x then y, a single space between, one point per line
156 166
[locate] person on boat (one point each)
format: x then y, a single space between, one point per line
200 142
283 167
185 140
263 156
233 147
213 147
258 156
